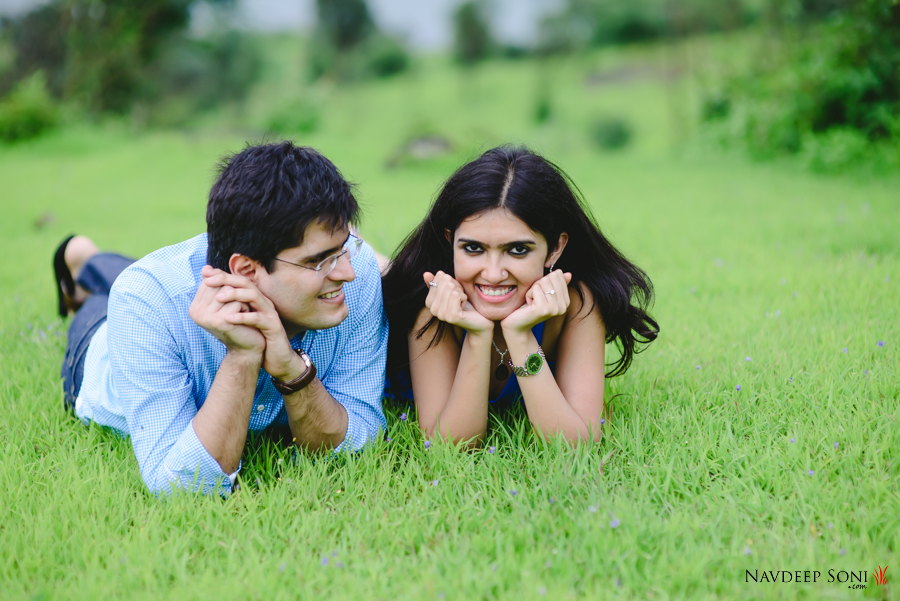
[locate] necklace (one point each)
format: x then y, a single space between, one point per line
501 372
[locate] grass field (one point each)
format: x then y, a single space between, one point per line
760 432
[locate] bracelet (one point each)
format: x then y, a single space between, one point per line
300 381
533 364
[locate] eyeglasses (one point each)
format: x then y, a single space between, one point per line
327 265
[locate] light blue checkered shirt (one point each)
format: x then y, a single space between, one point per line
149 368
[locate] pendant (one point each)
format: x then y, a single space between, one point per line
501 372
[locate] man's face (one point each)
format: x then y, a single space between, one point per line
306 299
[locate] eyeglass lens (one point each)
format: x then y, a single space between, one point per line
351 247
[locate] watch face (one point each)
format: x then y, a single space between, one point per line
533 363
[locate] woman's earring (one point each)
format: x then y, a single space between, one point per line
552 265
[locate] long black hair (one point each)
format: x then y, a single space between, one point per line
542 195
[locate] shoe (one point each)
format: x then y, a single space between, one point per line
65 284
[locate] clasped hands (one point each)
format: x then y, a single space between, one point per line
232 308
448 302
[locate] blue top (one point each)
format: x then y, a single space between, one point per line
511 391
149 368
400 385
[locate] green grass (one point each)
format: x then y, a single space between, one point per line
694 481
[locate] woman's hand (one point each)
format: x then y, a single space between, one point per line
448 302
547 297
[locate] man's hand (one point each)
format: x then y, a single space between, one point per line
279 359
547 297
212 314
448 302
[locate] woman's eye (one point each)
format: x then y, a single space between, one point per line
471 248
519 251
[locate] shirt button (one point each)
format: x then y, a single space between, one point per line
260 407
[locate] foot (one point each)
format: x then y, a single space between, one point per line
77 251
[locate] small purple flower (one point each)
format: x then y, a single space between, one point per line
614 523
738 387
842 552
811 472
791 380
551 500
747 551
866 372
402 417
282 567
748 358
837 444
793 440
324 560
542 590
513 492
435 482
592 509
492 449
389 439
698 367
881 343
427 444
845 349
602 421
340 564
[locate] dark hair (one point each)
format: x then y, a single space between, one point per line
266 196
540 194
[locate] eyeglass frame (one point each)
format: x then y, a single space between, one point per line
351 245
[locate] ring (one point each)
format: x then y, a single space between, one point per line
433 284
551 291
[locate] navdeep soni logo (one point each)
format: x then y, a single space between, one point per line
852 579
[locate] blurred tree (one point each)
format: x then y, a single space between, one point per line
833 80
472 39
37 46
585 23
111 43
107 56
345 23
348 46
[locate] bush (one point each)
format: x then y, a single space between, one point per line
298 116
378 56
831 92
835 150
384 56
611 133
28 111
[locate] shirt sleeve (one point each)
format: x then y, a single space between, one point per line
356 376
155 388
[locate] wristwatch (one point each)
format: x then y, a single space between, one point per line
300 381
533 364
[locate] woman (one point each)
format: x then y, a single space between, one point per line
508 290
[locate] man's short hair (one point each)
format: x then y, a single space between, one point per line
266 196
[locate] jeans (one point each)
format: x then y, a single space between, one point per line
97 277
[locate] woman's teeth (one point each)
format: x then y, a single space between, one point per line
496 291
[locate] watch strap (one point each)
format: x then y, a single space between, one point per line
301 381
533 364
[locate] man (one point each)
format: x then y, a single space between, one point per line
262 322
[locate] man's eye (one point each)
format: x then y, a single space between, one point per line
519 251
471 248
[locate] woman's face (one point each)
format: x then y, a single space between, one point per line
496 259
